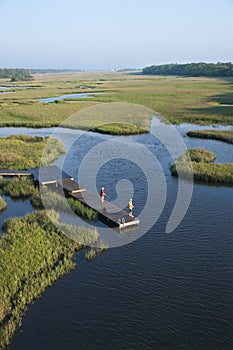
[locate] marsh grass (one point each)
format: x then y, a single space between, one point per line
17 188
79 234
18 152
2 204
23 188
195 100
34 253
225 135
82 210
26 138
199 155
93 252
57 202
120 129
203 168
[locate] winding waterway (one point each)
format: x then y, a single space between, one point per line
162 291
70 96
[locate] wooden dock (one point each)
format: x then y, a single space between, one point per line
48 175
16 173
107 210
53 175
70 186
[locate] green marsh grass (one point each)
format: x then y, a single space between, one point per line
225 135
23 152
120 129
34 253
203 168
2 204
199 155
194 100
23 187
58 202
82 235
93 252
82 210
17 188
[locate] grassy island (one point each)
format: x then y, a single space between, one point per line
203 168
120 129
22 151
225 135
33 254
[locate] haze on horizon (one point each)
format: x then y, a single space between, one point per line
106 35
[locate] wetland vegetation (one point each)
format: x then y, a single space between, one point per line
202 167
18 188
221 135
198 100
2 204
23 188
34 253
23 152
119 129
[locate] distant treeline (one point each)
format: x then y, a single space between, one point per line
192 69
51 70
21 74
127 70
15 74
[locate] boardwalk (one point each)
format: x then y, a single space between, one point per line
53 175
47 175
17 173
107 210
70 186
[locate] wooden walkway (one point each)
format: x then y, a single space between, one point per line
52 175
70 186
107 210
47 175
17 173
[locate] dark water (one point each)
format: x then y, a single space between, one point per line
14 208
162 291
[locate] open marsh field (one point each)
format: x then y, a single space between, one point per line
178 99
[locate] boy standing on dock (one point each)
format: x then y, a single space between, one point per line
102 194
130 205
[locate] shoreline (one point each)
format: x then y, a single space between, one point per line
45 269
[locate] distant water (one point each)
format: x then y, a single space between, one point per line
67 96
11 87
162 291
8 87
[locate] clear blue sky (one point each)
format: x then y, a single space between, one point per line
106 34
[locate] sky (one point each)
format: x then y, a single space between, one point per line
108 34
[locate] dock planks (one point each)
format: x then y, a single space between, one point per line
54 175
70 186
112 213
17 173
46 175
